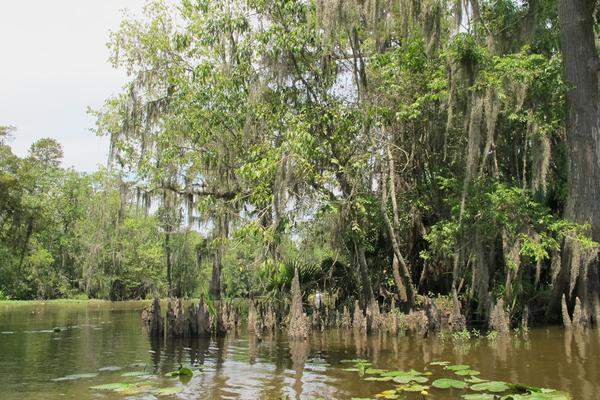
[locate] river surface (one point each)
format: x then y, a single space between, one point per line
101 341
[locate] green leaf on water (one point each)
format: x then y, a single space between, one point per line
440 363
137 388
410 378
475 379
478 396
75 377
387 394
374 371
446 383
552 395
111 386
412 372
465 372
457 367
413 387
379 378
167 391
493 386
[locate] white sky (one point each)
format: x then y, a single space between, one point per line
53 65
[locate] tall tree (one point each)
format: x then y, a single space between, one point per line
582 65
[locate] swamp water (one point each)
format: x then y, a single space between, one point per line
103 343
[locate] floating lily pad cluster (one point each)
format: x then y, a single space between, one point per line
144 383
461 379
135 388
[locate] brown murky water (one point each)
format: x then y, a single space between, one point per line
106 340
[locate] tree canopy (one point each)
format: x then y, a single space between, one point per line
388 149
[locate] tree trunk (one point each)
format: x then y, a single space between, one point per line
363 268
25 243
169 263
400 269
222 232
583 138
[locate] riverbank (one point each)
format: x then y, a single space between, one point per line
70 302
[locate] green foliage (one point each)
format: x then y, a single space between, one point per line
255 137
66 234
464 49
498 207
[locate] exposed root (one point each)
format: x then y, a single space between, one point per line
345 322
359 321
499 318
298 324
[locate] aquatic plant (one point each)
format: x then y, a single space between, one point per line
413 381
76 377
445 383
183 371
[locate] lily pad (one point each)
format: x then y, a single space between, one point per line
457 367
412 387
411 372
75 377
137 388
551 395
440 363
493 386
475 379
478 396
446 383
374 371
379 378
410 378
466 372
387 394
167 391
111 386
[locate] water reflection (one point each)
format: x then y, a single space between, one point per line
242 366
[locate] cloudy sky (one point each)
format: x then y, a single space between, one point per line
53 66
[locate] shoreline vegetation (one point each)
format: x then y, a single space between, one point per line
430 159
186 318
